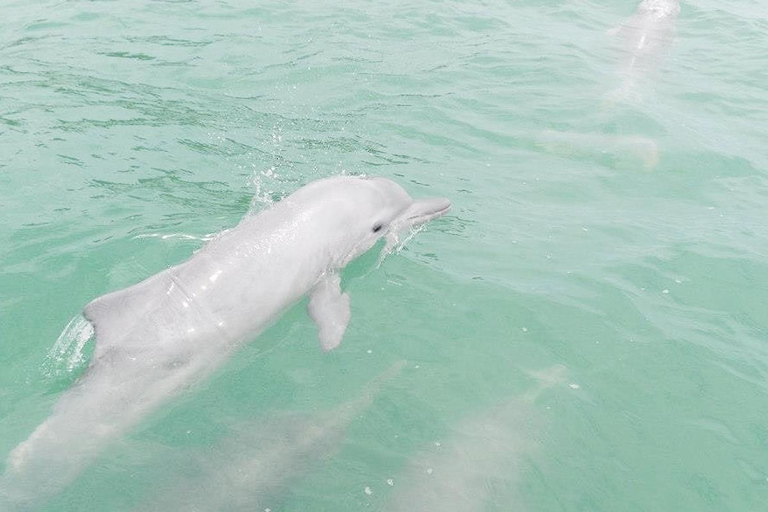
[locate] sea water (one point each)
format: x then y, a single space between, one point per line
587 330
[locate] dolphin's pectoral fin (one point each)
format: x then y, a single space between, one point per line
329 309
116 313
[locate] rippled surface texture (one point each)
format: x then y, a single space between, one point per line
587 330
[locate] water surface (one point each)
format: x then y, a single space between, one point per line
621 237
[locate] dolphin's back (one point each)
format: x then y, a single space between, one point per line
114 315
225 293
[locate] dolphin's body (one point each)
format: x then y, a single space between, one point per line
160 336
250 470
645 37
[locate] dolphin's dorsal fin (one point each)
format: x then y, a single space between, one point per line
329 308
113 315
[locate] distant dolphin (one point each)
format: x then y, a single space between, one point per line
158 337
645 37
610 149
251 469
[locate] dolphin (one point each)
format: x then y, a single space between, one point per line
613 150
168 332
480 464
249 470
645 37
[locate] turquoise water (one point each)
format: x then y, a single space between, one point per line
585 331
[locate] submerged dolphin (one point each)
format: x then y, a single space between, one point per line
645 37
610 149
160 336
479 466
250 470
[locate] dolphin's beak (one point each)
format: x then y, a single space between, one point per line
423 210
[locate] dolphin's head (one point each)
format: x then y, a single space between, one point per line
389 210
367 209
395 210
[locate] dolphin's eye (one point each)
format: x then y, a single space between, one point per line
377 228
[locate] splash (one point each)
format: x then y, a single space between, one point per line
395 242
68 353
263 196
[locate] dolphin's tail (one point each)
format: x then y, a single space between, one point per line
60 447
99 409
369 393
626 92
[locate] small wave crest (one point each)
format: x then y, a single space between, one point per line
166 236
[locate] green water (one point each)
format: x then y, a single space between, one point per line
618 238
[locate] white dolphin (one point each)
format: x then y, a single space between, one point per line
160 336
480 465
645 37
249 470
